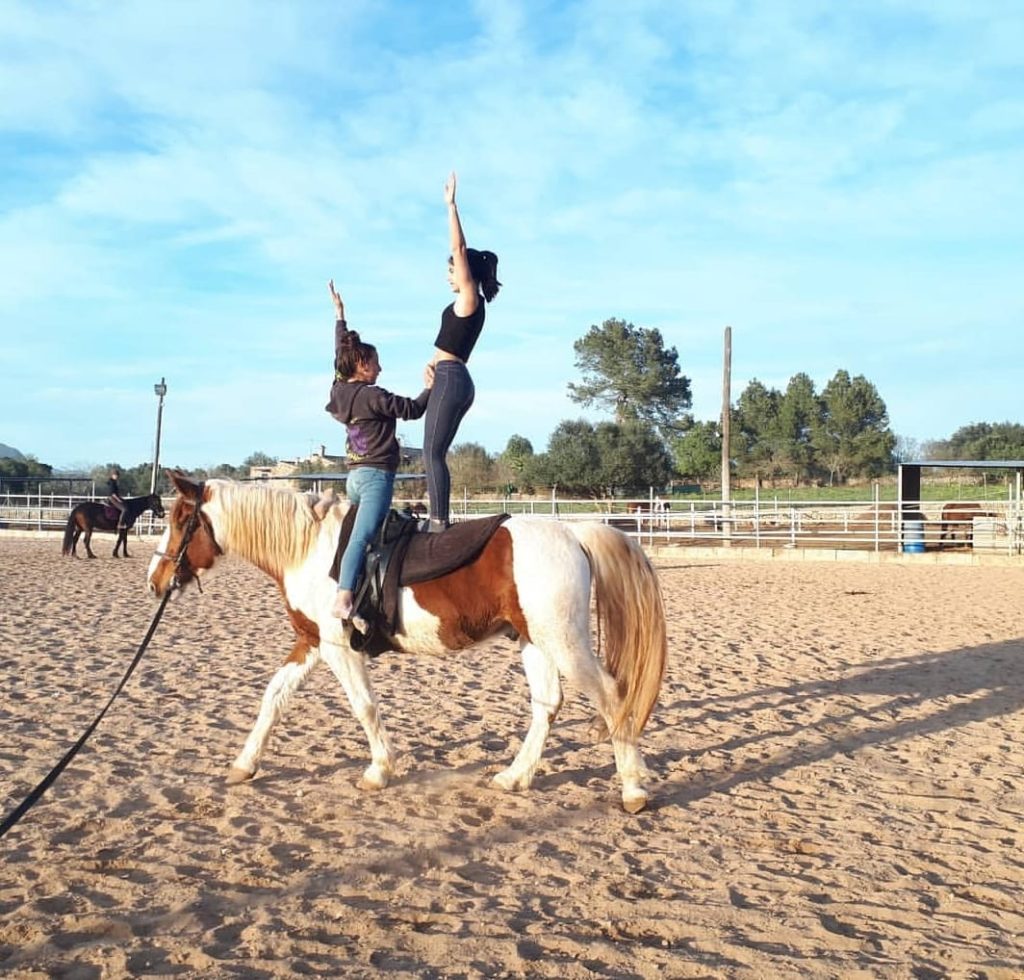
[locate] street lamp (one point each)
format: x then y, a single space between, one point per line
160 390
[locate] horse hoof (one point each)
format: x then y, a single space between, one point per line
373 779
236 776
511 784
635 801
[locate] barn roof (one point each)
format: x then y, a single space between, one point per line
974 464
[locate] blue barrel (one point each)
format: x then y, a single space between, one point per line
913 537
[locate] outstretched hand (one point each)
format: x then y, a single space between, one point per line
339 306
449 189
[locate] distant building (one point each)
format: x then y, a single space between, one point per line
320 461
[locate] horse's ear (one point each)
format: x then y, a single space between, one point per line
183 484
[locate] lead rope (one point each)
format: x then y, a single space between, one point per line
19 811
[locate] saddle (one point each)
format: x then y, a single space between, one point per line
110 512
400 555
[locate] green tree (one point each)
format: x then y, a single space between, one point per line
697 451
514 462
471 467
757 438
799 415
258 459
629 370
853 437
985 440
632 458
23 475
572 461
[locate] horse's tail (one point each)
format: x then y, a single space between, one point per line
631 616
69 535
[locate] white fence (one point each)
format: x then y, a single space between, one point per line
996 527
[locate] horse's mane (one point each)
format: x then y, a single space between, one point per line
272 527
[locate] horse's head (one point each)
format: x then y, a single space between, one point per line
156 505
187 547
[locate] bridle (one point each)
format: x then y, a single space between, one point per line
181 558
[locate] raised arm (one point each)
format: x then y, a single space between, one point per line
462 279
340 327
339 306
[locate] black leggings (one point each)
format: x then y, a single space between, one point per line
450 399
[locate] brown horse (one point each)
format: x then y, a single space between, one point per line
98 516
959 518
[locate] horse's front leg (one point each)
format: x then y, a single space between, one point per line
350 669
280 689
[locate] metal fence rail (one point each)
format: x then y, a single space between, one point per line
868 525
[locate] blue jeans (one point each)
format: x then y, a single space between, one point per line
371 489
450 399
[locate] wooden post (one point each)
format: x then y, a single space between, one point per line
726 403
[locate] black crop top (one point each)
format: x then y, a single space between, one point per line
458 334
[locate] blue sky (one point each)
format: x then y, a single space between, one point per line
839 182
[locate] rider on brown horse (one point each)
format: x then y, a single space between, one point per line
115 500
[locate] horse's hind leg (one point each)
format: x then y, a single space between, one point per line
86 540
280 689
350 669
578 663
545 700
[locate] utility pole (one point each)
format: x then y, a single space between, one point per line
159 390
726 469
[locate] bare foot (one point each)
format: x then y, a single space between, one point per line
324 503
343 605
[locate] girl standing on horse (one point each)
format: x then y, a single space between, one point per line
473 276
369 413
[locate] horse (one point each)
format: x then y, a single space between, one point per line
531 582
95 515
959 517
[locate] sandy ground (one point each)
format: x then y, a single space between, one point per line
837 757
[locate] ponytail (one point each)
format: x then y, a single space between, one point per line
483 267
352 354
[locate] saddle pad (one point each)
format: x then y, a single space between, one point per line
422 556
433 555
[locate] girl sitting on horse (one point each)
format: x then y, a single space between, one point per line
115 499
369 413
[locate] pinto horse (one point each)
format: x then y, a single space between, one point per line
532 581
98 516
